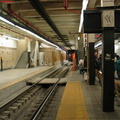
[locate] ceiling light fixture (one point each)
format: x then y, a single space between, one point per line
84 6
10 23
98 44
6 21
78 38
36 36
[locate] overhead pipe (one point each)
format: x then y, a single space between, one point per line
13 13
17 16
23 25
66 7
39 8
13 31
66 4
22 34
6 1
8 18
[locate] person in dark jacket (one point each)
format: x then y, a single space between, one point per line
97 64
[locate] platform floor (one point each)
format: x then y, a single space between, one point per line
9 77
72 105
81 101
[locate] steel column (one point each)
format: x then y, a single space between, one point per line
108 70
91 64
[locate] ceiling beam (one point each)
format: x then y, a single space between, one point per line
50 13
91 3
39 8
47 6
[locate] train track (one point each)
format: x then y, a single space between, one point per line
41 105
13 109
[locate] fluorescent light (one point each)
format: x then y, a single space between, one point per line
10 37
37 36
8 22
42 45
78 38
98 44
84 6
5 20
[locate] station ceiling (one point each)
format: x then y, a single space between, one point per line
56 20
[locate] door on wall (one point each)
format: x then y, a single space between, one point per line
41 58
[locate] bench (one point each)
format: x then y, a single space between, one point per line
116 82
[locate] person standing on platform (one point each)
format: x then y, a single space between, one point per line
97 64
100 62
81 64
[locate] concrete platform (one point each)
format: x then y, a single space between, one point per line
81 101
13 76
72 106
49 81
13 82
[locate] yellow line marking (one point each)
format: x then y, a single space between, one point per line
72 105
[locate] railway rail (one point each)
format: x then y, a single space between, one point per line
12 109
43 104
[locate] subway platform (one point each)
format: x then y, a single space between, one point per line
13 81
9 77
80 101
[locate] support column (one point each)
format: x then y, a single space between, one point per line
91 60
1 64
108 57
108 70
80 51
81 46
85 45
29 50
36 53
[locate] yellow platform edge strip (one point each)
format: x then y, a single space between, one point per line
72 106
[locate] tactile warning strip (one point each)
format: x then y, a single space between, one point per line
72 106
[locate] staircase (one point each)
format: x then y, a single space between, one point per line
23 61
